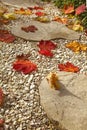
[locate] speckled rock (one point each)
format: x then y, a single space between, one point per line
67 106
46 31
20 3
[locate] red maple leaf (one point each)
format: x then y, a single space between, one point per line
24 66
5 36
80 9
1 97
46 47
39 14
68 67
46 53
31 28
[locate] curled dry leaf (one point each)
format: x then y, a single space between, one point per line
53 80
76 46
68 9
30 28
24 66
23 11
61 20
68 67
1 97
80 9
6 36
23 56
46 47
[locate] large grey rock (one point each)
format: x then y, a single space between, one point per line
20 3
67 106
46 31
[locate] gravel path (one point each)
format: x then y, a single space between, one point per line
22 109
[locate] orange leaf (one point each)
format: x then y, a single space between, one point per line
76 46
24 66
23 11
60 20
68 9
1 97
68 67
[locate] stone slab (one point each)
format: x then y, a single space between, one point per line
67 106
20 3
46 31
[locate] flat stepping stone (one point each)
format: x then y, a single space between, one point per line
67 106
46 31
19 3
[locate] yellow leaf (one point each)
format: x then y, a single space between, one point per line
23 11
9 16
43 19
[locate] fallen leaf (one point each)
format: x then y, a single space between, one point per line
6 36
23 11
43 19
46 47
76 46
68 67
1 97
23 56
86 32
53 80
30 28
68 9
10 16
1 122
60 20
46 53
24 66
38 8
39 14
80 9
4 21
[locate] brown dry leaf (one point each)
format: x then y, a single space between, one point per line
2 11
53 80
76 46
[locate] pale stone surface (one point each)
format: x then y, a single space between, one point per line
46 31
20 3
68 106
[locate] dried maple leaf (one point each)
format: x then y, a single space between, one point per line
46 53
24 66
1 97
5 36
76 46
46 47
23 56
60 20
68 67
4 21
80 9
68 9
30 28
39 14
23 11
